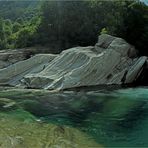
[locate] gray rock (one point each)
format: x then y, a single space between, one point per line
111 61
12 74
9 56
135 70
84 66
104 41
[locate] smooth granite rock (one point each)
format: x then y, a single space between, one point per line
13 74
111 61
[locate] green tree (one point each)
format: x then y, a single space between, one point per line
8 22
104 31
25 37
66 24
2 35
16 27
135 25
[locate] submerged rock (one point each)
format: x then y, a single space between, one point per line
111 61
17 132
102 115
6 103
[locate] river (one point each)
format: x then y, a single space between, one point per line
87 118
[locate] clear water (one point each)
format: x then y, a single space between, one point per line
112 118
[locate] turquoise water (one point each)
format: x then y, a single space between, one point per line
113 118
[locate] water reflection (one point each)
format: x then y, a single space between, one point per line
112 118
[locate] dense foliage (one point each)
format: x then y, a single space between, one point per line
18 23
18 9
64 24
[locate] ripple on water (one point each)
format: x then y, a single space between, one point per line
113 118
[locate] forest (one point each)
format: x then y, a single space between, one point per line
63 24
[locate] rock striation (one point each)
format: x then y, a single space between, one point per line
9 57
111 61
13 74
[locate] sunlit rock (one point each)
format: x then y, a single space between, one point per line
111 61
9 56
19 132
12 74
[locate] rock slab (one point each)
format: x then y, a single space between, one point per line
111 61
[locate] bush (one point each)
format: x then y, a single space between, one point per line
25 37
104 31
3 44
16 27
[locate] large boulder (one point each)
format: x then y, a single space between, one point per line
111 61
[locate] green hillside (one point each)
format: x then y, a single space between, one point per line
18 9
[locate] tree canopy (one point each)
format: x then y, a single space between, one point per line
65 24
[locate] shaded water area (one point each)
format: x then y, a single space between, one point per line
70 119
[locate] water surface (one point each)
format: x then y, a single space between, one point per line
100 118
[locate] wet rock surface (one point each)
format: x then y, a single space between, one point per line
16 132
